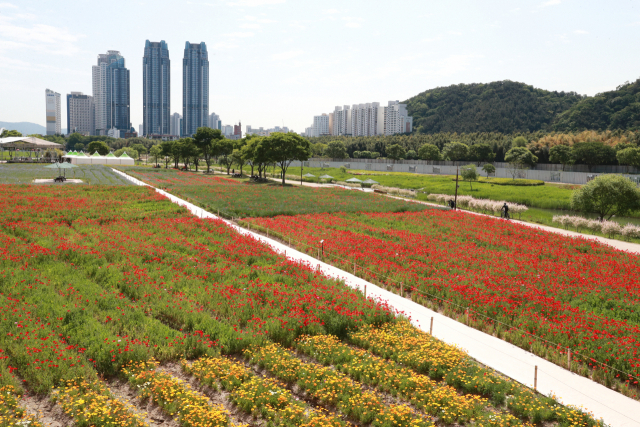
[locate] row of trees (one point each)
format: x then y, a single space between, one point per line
210 146
588 152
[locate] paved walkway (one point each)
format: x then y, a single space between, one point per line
615 409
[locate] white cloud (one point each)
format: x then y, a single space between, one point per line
8 6
239 34
331 11
260 20
455 33
431 39
250 26
352 22
224 45
580 32
39 37
284 56
297 25
551 3
252 3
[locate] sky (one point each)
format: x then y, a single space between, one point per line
275 62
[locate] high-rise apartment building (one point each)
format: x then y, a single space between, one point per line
140 130
227 130
342 121
54 111
397 119
265 132
80 114
237 129
111 93
176 125
195 88
331 115
320 125
365 119
156 83
215 122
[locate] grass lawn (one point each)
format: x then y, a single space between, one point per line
20 173
548 196
240 198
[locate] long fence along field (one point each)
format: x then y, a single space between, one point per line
99 282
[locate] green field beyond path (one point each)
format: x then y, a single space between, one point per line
548 196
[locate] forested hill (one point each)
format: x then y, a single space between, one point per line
504 106
616 109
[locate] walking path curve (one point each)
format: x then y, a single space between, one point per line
615 409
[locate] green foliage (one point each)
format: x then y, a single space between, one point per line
429 152
502 106
285 148
469 173
317 149
519 141
79 147
9 133
561 154
100 146
616 109
130 152
607 195
22 173
206 139
489 169
155 152
395 152
593 153
455 151
412 155
521 156
366 154
481 153
336 150
629 156
141 149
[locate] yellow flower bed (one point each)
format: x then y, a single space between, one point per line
334 388
11 413
264 398
424 354
434 398
177 399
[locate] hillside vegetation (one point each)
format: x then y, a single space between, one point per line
502 106
616 109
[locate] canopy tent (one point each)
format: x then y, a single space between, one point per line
354 181
326 177
27 143
309 175
370 181
62 165
97 159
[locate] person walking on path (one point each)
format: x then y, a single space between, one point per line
505 211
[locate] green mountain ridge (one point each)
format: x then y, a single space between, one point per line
513 107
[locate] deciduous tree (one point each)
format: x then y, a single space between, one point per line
607 195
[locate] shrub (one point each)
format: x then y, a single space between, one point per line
610 228
607 195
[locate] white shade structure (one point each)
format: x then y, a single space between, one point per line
110 159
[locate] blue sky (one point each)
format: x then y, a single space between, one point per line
287 60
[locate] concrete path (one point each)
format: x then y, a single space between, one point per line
571 389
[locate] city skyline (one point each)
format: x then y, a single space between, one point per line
271 60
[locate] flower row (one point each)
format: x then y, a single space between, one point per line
334 388
402 343
434 398
91 404
260 397
177 399
608 228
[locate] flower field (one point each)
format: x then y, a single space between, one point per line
21 173
240 198
96 284
517 281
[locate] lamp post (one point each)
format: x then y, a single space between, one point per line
301 168
455 203
322 243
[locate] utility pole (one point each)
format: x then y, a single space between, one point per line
455 202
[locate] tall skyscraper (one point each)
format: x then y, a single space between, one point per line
176 127
53 112
214 121
111 94
195 88
80 114
156 83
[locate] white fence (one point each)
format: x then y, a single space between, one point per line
501 172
